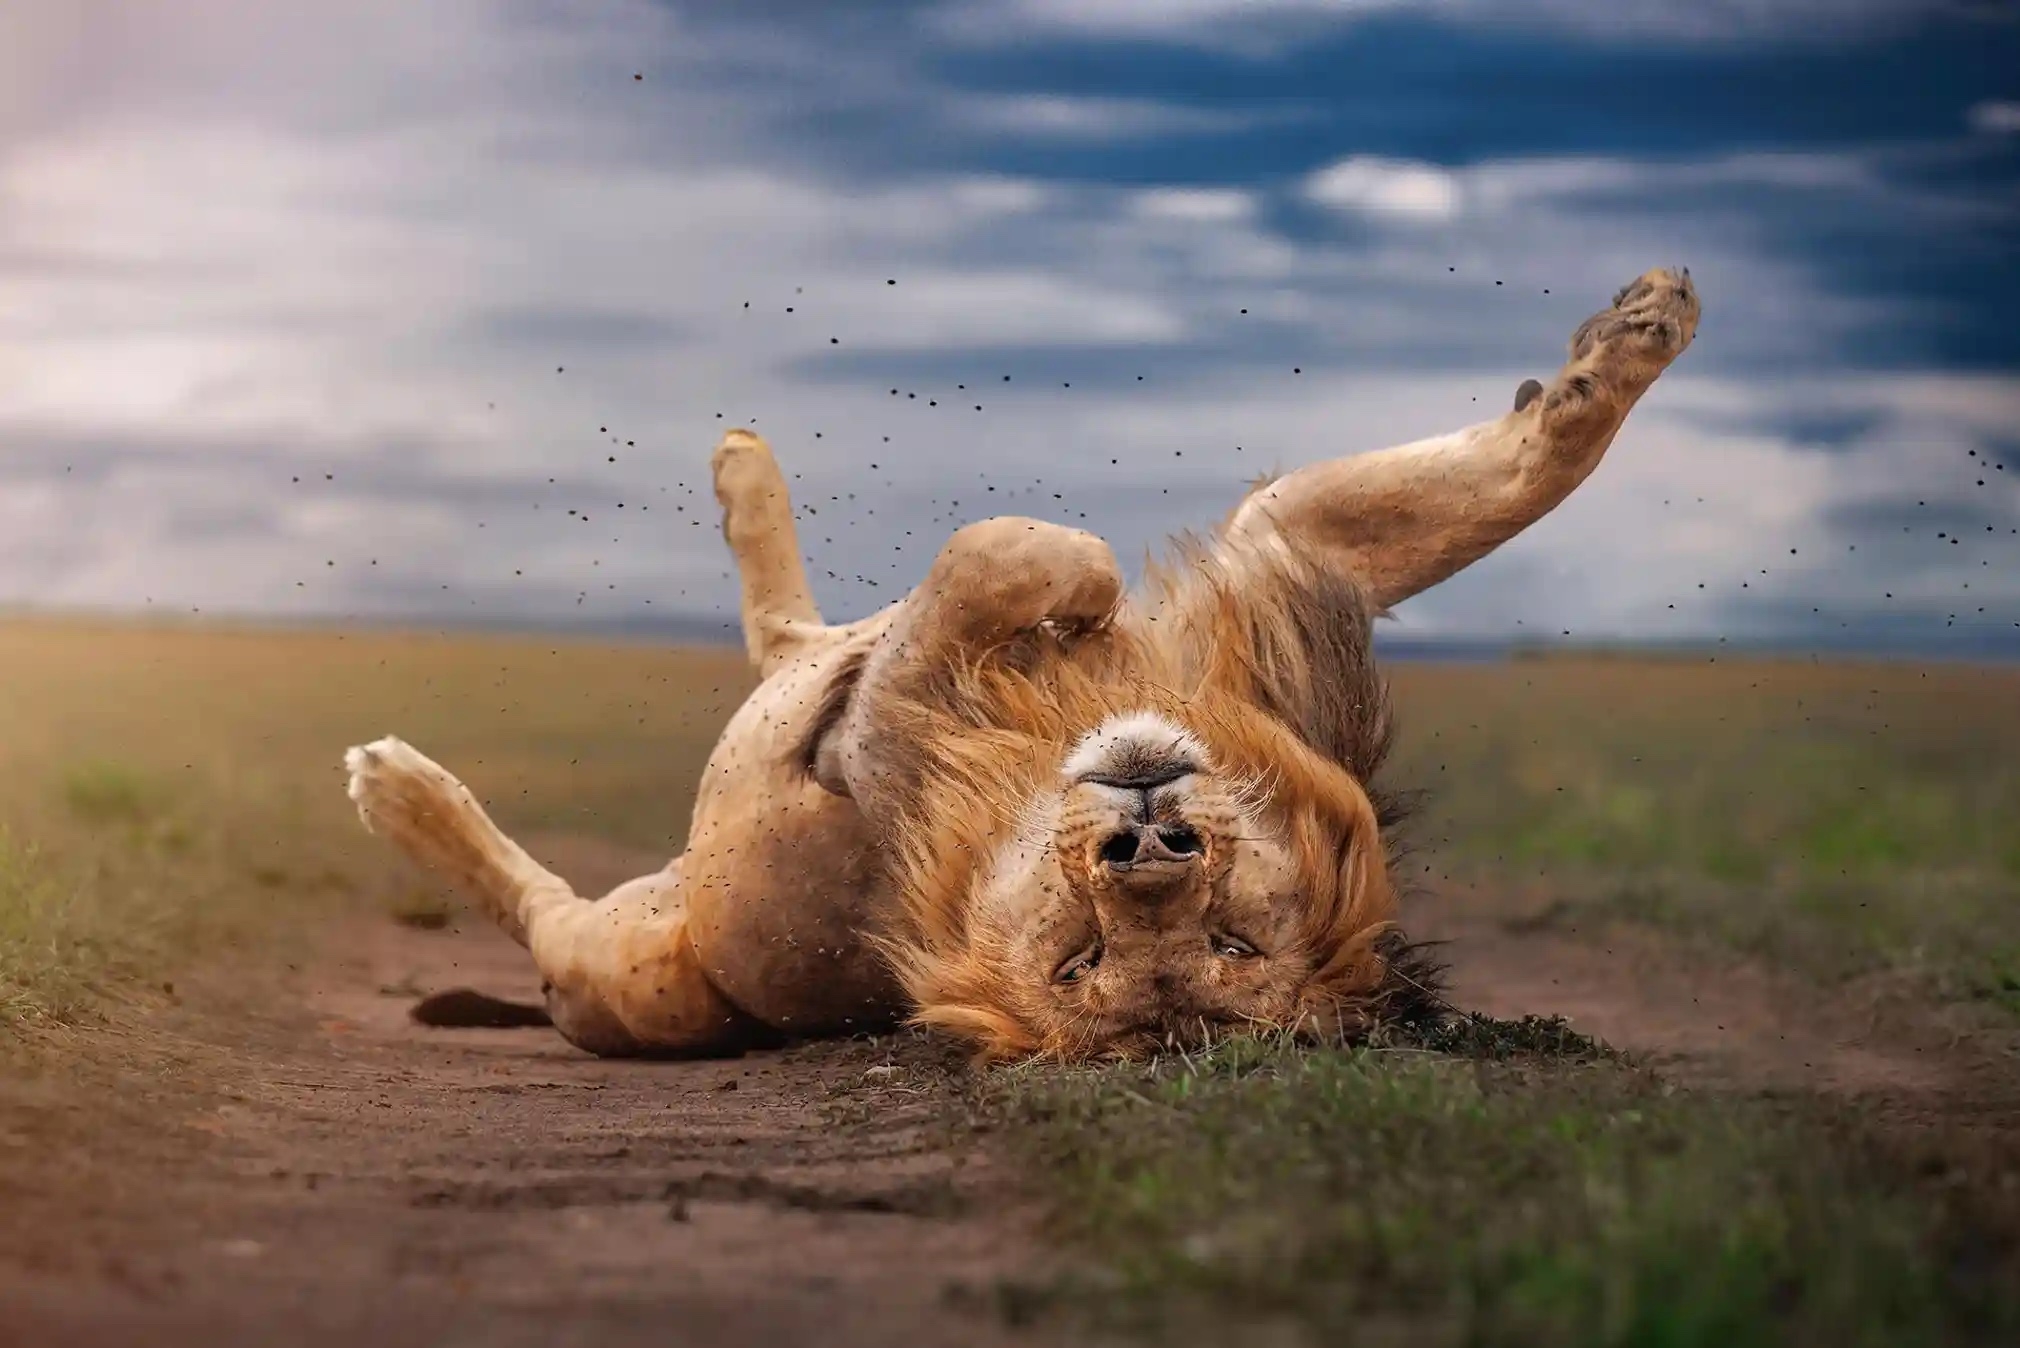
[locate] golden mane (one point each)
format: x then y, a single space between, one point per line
1264 654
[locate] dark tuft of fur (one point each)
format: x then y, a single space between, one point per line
1394 807
1413 994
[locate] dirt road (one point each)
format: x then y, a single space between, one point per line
366 1180
313 1168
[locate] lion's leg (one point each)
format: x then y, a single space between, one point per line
1404 519
622 975
992 580
779 614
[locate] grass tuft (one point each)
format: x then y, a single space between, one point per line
1472 1035
110 793
33 978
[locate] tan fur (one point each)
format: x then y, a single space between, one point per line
1030 811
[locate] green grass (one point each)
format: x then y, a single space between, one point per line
105 793
1405 1196
31 963
129 881
172 798
1841 819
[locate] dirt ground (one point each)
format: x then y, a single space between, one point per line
284 1156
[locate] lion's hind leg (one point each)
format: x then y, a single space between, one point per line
780 618
622 976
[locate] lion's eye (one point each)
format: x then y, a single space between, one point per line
1232 947
1079 966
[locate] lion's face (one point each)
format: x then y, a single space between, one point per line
1156 833
1158 894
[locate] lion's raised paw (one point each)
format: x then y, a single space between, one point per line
1652 319
389 776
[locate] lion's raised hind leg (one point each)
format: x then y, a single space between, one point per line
622 974
780 618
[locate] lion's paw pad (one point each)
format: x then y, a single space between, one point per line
1655 314
386 775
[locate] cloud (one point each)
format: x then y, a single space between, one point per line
1261 27
305 320
1408 189
1387 187
1996 117
1211 205
1084 118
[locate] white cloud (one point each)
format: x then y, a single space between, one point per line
1996 118
1387 187
1203 204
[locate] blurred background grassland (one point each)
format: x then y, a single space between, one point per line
166 790
1845 819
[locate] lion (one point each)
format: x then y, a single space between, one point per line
1022 807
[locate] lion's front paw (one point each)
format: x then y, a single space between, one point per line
392 782
1652 320
414 803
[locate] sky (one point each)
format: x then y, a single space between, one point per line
366 310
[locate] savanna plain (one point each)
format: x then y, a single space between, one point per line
1735 945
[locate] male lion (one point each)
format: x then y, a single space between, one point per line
1023 808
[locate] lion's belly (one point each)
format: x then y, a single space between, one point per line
780 879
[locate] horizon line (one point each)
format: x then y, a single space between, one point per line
712 631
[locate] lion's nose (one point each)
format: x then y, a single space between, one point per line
1151 844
